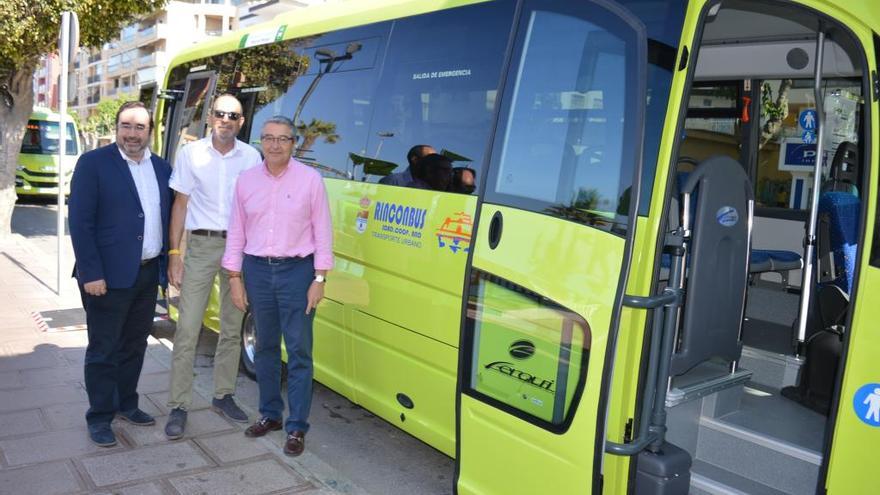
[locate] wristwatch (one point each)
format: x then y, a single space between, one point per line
319 278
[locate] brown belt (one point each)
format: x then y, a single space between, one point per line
210 233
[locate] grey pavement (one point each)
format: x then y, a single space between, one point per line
44 446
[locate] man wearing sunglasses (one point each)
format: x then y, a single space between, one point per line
204 176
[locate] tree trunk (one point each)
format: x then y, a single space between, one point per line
12 126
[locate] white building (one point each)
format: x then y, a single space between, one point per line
139 57
256 11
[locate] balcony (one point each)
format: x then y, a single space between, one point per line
147 60
91 100
95 57
146 33
93 79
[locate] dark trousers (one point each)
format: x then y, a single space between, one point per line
118 325
276 293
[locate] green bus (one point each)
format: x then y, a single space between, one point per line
666 277
36 174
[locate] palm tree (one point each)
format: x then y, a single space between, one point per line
311 132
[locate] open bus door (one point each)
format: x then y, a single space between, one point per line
555 229
190 115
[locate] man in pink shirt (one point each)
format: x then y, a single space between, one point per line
280 239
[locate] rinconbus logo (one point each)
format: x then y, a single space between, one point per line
521 349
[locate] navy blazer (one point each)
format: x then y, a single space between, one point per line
107 221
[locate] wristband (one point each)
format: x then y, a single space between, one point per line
174 251
233 275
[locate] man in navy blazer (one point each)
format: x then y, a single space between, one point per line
119 211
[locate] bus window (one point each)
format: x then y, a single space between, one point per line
41 138
518 334
192 116
787 144
566 150
439 85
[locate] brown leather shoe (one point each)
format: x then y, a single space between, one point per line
295 444
261 427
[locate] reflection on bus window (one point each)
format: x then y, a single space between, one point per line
41 138
566 148
439 90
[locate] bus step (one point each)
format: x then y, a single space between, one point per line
708 479
769 461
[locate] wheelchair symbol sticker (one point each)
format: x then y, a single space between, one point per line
866 403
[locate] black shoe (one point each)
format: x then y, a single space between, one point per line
176 424
102 435
136 417
227 407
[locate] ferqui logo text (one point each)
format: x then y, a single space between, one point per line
509 369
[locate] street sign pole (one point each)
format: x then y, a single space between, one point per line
67 44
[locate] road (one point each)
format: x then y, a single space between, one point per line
370 452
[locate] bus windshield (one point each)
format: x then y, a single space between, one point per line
41 138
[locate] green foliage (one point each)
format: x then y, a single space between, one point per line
30 28
102 121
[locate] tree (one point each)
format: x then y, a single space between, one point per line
102 121
29 29
312 131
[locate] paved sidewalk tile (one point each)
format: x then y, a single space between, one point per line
143 463
201 422
247 479
21 423
50 446
21 399
142 489
51 376
45 479
153 382
66 416
161 400
232 447
11 360
10 379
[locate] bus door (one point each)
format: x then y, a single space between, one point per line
554 232
190 114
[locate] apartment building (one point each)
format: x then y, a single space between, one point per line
139 57
46 81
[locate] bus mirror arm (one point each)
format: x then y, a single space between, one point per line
665 306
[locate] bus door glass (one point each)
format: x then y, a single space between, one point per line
553 233
190 116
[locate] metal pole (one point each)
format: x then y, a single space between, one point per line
62 139
810 239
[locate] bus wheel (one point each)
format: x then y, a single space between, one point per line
248 345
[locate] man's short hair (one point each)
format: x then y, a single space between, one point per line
281 120
133 104
416 152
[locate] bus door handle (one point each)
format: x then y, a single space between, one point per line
495 227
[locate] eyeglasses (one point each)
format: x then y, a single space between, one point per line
276 139
138 127
232 115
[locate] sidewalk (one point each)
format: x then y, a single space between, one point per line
44 446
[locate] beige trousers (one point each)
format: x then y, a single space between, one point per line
201 264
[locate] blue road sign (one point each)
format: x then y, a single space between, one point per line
866 403
807 119
808 137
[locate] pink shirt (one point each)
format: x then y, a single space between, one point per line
282 216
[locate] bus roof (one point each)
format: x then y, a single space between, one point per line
43 113
319 19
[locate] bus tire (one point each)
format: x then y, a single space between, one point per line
248 345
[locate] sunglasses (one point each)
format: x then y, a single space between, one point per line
232 115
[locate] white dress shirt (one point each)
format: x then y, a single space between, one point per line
208 178
148 192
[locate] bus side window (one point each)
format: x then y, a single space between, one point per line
438 87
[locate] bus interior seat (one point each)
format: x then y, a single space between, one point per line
720 233
760 260
838 220
837 238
